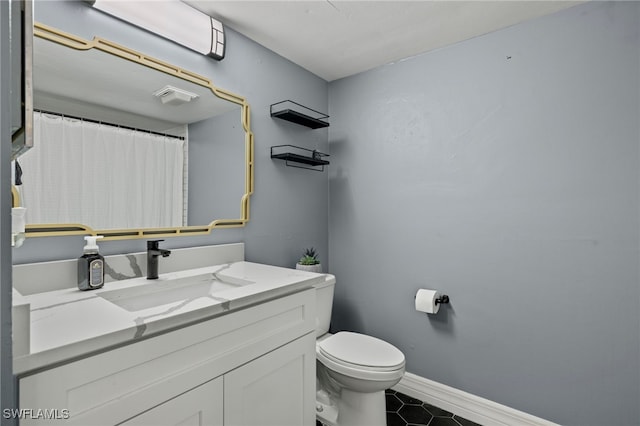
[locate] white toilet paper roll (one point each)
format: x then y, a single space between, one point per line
426 301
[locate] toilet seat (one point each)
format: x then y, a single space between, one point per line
360 356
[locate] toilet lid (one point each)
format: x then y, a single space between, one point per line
360 349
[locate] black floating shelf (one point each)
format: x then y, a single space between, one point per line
299 114
295 155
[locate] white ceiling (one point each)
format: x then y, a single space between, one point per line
89 84
338 38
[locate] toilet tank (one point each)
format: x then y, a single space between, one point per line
324 304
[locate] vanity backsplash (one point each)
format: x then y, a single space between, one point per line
41 277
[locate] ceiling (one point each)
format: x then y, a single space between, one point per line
88 83
339 38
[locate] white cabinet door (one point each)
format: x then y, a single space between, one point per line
198 407
277 389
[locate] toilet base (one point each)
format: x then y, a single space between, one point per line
362 409
353 409
327 413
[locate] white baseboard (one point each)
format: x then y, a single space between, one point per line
469 406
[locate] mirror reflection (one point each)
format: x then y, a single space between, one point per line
120 145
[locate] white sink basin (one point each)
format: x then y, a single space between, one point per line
171 291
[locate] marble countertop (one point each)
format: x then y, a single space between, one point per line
68 324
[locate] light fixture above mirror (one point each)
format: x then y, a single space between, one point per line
173 20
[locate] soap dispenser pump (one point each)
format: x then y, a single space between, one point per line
91 265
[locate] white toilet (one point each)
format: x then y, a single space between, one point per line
353 370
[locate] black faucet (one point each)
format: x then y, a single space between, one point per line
153 251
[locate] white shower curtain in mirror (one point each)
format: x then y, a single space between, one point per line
102 176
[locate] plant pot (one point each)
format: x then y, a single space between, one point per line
310 268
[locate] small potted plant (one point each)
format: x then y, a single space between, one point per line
309 262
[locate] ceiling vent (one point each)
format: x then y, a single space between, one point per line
170 95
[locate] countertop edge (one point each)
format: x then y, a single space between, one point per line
50 358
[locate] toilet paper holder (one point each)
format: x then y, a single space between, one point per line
429 301
442 299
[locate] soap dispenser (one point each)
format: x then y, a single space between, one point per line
91 265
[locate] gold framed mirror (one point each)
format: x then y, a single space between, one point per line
209 200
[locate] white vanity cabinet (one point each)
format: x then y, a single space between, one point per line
254 366
200 406
272 390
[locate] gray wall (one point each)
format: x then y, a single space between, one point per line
289 207
502 171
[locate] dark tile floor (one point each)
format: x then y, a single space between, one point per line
402 410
